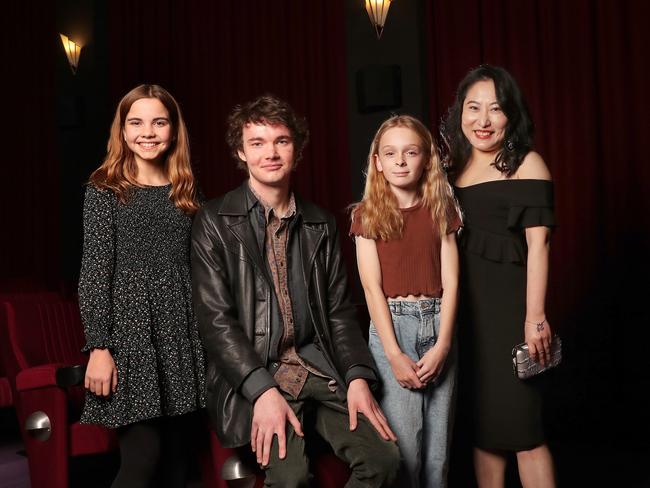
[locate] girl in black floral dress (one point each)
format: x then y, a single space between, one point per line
145 372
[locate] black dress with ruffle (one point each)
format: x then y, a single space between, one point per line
506 411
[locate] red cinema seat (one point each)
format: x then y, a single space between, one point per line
42 352
6 357
6 398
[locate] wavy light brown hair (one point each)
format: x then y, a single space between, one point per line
379 210
119 170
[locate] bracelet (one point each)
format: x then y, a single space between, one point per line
538 325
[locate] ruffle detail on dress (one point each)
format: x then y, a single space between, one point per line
521 217
494 247
97 344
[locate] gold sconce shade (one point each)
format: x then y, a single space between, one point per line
72 51
377 11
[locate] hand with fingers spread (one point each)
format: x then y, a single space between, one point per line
101 373
432 363
361 400
405 370
538 336
270 414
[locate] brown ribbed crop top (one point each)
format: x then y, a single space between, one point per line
410 265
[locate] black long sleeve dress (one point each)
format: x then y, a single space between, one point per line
135 298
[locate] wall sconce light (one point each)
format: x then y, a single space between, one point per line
72 51
377 11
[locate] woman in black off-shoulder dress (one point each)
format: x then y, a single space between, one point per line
506 196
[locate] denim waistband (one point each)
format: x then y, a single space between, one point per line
429 306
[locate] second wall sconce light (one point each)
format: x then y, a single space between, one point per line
377 11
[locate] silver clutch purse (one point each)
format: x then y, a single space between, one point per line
524 367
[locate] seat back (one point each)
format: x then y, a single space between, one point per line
44 331
39 329
9 365
6 395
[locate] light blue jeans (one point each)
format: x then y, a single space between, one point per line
421 419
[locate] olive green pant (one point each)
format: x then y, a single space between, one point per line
374 462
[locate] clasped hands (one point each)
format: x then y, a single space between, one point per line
417 375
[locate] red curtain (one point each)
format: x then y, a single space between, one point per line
212 55
29 200
582 66
579 64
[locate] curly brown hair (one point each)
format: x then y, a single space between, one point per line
266 109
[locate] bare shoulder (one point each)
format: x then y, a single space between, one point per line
533 167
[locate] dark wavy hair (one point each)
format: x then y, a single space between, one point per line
518 140
270 110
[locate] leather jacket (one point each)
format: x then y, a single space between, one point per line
233 295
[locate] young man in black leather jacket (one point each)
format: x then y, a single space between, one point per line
270 292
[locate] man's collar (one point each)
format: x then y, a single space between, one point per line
291 210
241 200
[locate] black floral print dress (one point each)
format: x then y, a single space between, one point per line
135 298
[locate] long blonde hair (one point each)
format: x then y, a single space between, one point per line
118 171
379 210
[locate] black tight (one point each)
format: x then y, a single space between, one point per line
155 452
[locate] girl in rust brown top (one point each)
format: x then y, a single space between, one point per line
408 263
